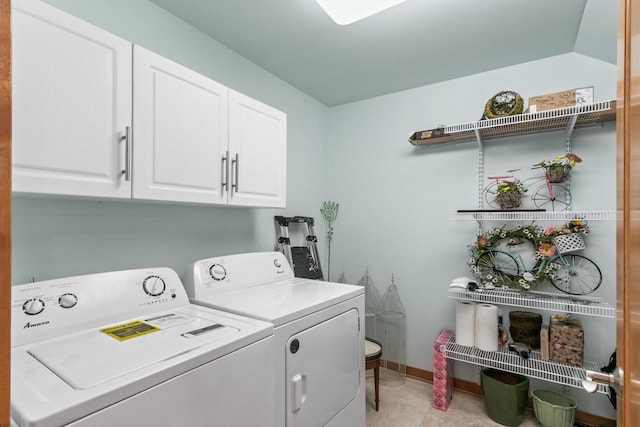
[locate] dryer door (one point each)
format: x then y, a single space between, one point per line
323 370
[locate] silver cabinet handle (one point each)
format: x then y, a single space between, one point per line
235 163
127 154
225 171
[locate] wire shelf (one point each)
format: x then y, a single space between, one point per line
534 367
515 215
565 303
545 121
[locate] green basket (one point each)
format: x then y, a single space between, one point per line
505 396
554 409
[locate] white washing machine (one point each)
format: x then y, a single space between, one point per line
319 333
127 348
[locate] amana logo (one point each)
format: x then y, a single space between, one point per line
33 325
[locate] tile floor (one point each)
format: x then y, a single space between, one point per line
409 405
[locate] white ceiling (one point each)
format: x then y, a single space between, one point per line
416 43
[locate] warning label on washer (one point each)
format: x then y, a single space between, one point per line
129 330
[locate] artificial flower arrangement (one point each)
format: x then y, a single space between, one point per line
568 237
510 187
542 242
558 168
573 226
508 193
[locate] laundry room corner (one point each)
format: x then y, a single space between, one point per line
401 225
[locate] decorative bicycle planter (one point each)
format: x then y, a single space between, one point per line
570 273
545 193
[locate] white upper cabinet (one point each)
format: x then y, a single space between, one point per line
71 104
180 132
75 90
258 151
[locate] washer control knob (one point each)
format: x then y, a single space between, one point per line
277 263
154 285
217 272
33 306
67 300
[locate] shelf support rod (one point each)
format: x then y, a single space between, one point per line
480 168
570 126
567 147
478 137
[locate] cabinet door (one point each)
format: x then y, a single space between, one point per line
258 148
180 132
71 104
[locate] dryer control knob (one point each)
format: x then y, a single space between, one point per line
217 272
277 263
67 300
154 285
33 306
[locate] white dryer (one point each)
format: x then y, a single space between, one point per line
127 348
319 333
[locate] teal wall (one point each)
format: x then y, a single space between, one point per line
57 238
395 199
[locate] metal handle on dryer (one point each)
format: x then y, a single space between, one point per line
298 391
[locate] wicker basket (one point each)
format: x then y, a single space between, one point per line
557 174
505 103
508 200
569 242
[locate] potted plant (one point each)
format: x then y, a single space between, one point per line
509 193
558 168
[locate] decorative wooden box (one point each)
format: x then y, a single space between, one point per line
566 338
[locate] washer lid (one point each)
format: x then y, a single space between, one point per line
93 357
282 302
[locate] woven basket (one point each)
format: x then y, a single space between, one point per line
508 200
569 242
505 103
557 174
